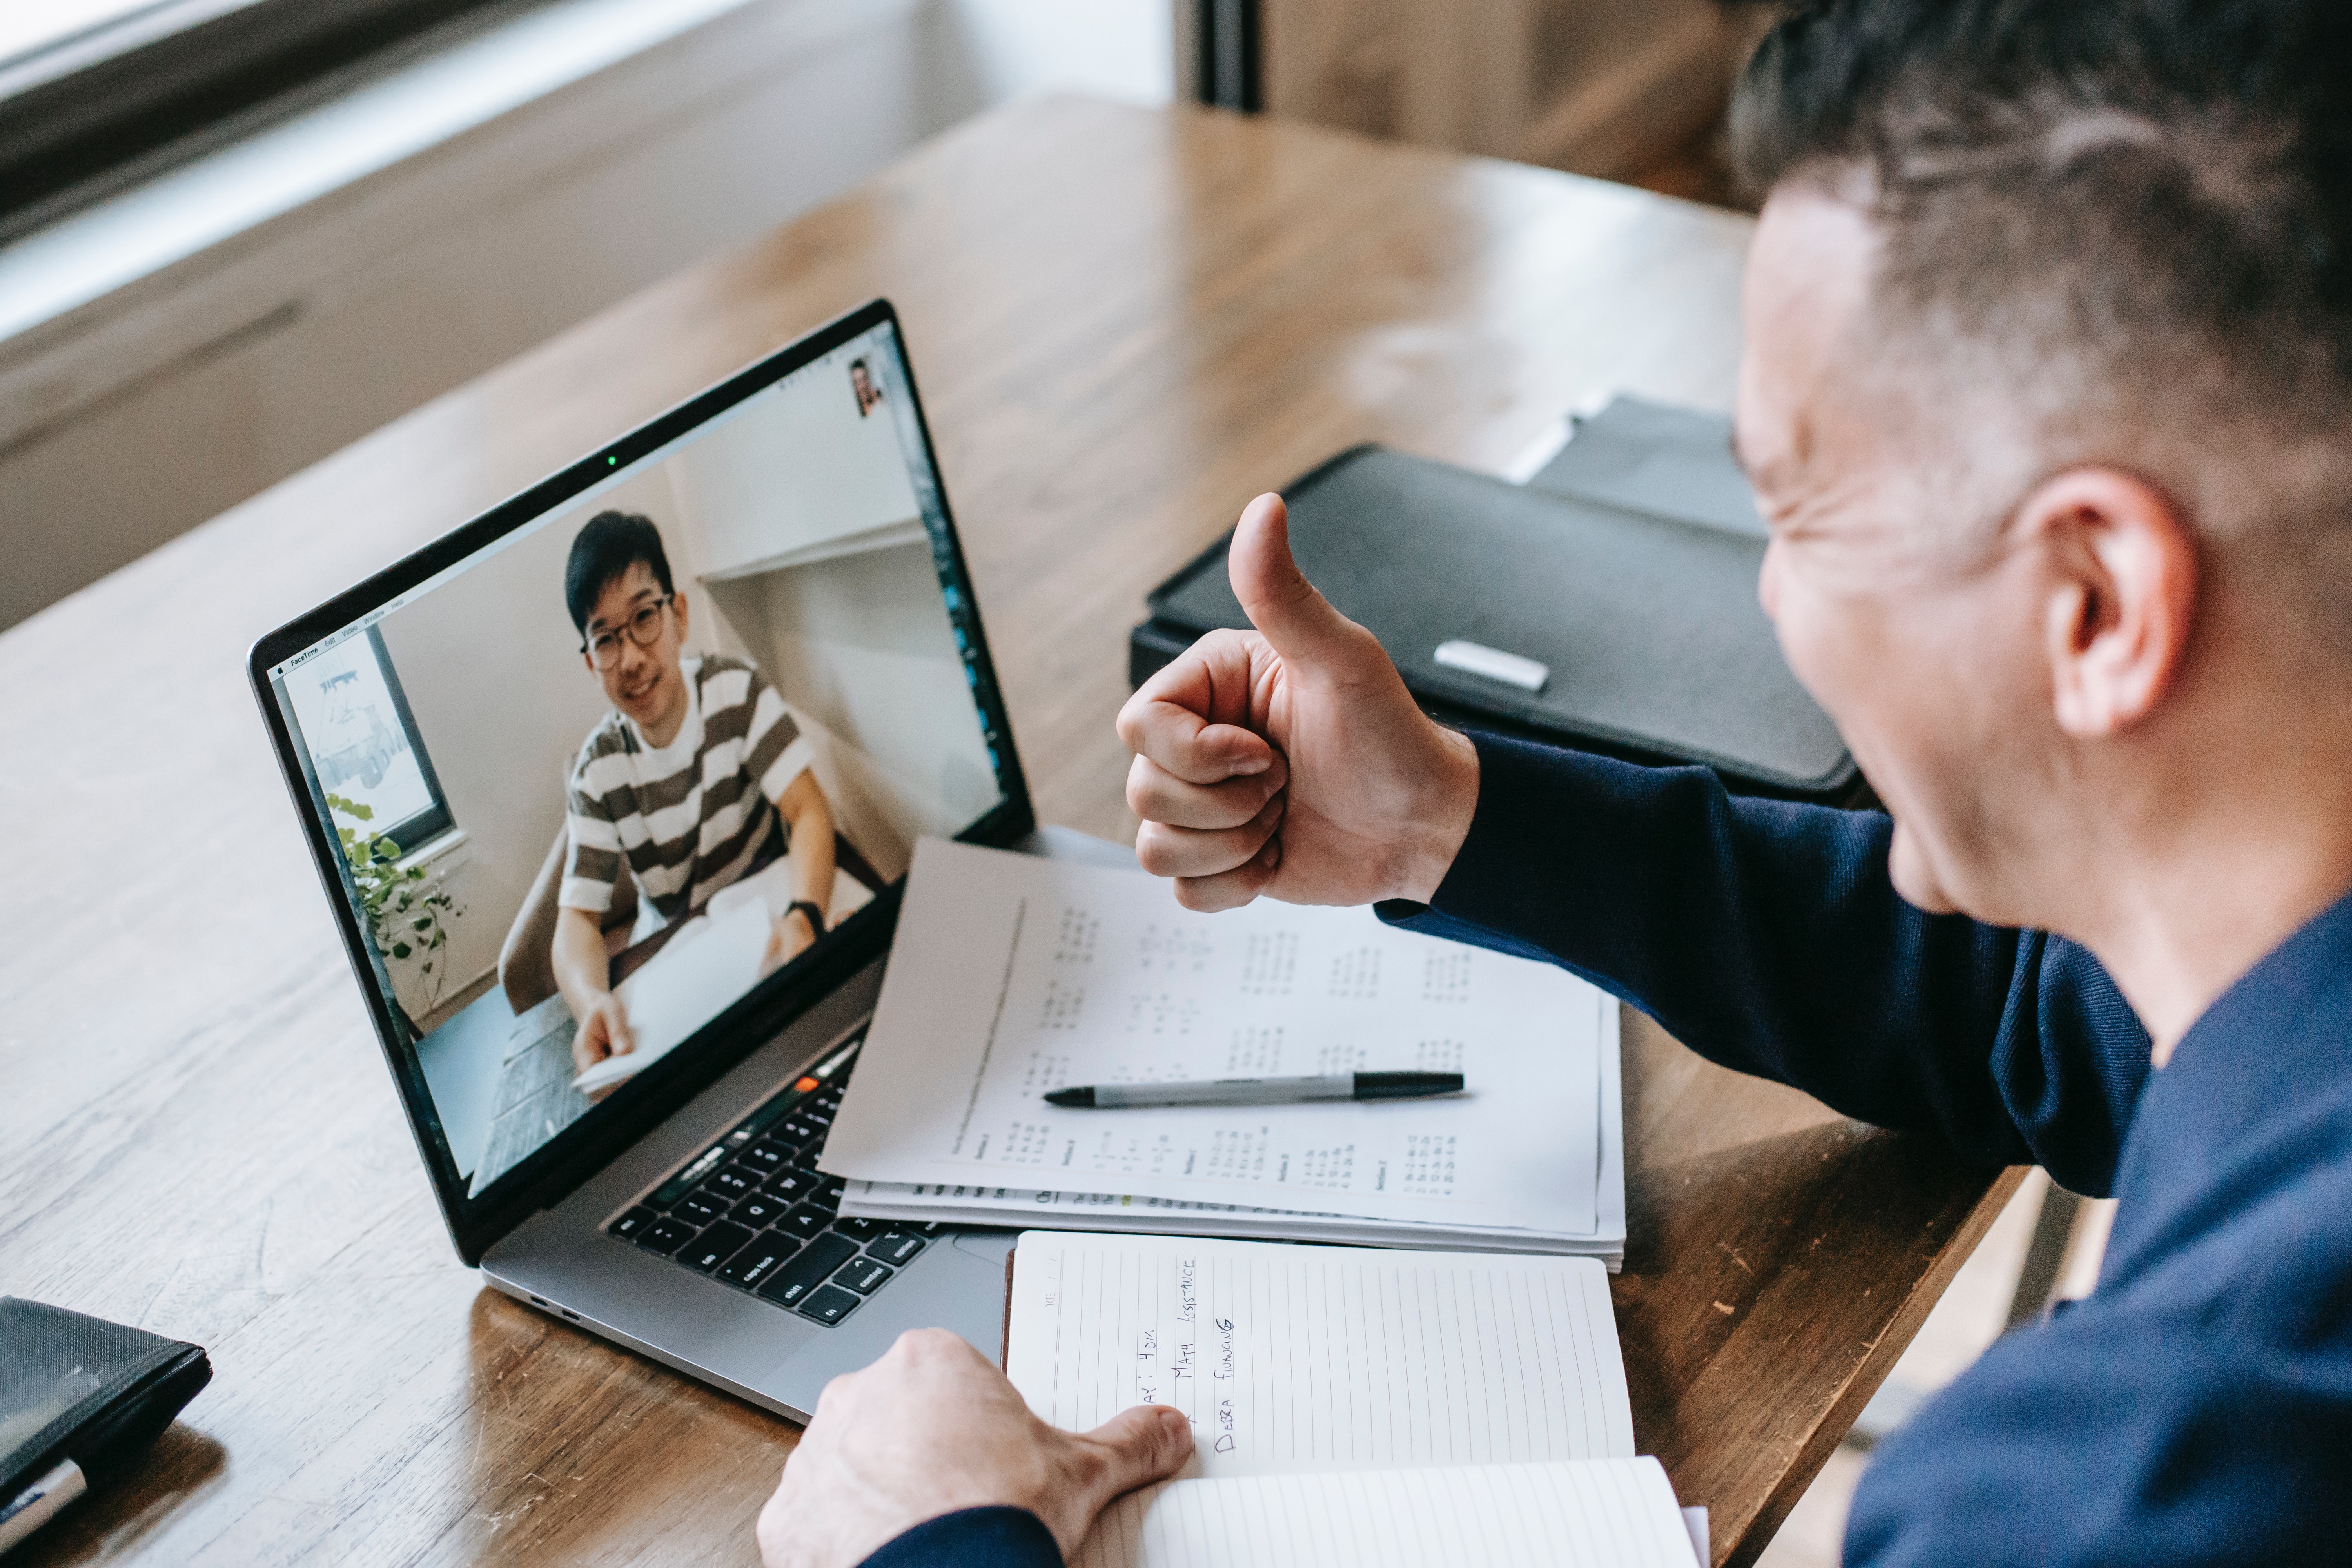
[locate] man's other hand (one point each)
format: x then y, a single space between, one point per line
931 1428
1291 760
605 1032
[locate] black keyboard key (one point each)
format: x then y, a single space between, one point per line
808 1268
793 1186
808 1220
759 1211
705 1207
863 1229
633 1224
751 1266
735 1182
766 1155
896 1250
713 1247
828 1304
666 1235
797 1132
928 1228
828 1194
863 1275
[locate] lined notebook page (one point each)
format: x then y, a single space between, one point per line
1322 1358
1601 1513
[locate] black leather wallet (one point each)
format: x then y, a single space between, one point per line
80 1399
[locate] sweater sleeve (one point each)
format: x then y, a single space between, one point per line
1768 937
972 1538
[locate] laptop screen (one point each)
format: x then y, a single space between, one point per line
634 756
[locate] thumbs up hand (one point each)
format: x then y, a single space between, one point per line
1290 761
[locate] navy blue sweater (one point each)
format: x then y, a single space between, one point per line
2197 1408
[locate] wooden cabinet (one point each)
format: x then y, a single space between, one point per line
1600 87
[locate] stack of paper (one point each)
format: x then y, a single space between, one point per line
1012 976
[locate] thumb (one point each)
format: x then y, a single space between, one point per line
1142 1444
1280 602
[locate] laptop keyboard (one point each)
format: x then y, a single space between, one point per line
754 1211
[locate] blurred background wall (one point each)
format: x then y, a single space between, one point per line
1626 89
291 280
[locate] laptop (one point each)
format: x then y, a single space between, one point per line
546 779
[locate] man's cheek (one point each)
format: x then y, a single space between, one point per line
1809 642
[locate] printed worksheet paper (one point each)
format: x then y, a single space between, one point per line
1012 975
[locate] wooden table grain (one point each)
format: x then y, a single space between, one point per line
1126 323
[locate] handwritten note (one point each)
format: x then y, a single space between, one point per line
1309 1358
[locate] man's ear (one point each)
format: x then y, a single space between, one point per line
2122 596
677 602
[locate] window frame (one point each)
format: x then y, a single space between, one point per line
418 830
91 112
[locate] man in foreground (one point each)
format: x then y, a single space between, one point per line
2048 399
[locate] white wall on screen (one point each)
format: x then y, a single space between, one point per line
802 470
861 645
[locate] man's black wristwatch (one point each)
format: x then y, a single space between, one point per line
809 909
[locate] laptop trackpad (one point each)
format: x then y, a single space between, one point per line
958 1287
992 1246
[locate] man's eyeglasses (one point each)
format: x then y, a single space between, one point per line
643 627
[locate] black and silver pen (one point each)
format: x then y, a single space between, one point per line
1260 1090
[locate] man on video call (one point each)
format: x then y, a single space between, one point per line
685 779
2047 397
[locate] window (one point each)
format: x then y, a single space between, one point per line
94 93
363 745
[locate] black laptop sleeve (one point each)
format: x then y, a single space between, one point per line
1645 616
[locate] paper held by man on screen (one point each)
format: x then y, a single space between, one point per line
713 961
1012 975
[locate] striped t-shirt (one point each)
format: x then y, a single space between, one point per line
690 816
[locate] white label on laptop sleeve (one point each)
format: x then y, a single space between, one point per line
1493 664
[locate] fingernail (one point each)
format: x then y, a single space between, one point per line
1249 765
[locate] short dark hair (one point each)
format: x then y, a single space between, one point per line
606 546
2148 200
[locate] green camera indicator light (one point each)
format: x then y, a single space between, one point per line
612 461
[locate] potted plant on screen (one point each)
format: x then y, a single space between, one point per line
408 912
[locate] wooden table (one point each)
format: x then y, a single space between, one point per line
1126 324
